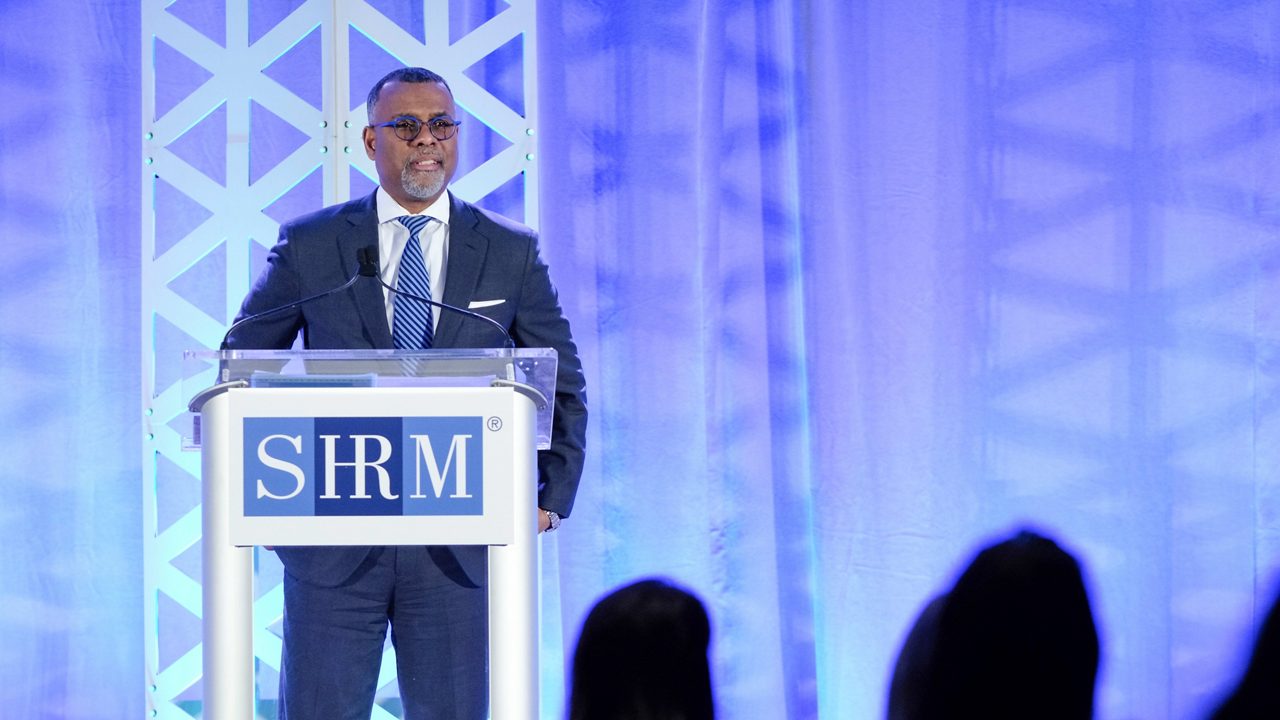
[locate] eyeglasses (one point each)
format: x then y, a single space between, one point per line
408 127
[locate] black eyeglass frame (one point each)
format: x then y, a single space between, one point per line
441 127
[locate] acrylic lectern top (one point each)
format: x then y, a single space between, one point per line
531 371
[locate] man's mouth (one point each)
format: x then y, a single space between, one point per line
424 164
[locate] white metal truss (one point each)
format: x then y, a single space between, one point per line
227 220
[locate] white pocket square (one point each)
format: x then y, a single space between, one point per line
477 304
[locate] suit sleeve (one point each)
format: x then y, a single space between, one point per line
540 322
277 286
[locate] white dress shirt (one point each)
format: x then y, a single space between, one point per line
393 236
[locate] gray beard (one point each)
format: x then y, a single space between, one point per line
418 190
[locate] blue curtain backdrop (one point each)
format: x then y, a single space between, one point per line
858 286
70 436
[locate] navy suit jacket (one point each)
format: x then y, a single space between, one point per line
490 258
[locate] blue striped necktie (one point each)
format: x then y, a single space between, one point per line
411 327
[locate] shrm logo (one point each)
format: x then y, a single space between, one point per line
302 466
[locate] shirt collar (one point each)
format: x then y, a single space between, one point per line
389 209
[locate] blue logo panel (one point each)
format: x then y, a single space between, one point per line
443 466
360 466
365 466
278 466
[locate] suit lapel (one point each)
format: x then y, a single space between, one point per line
467 248
361 231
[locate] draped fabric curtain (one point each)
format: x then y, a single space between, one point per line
863 286
858 286
70 434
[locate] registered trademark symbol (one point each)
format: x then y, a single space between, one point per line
495 424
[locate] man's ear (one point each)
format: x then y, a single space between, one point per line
370 141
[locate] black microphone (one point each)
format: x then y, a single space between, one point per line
297 303
367 257
368 260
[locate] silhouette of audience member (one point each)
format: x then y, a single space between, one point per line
1258 694
642 655
910 681
1014 638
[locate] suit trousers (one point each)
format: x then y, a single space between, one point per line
433 599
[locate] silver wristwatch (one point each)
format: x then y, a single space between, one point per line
554 518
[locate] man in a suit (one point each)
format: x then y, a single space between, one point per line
339 601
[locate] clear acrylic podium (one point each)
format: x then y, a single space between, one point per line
371 447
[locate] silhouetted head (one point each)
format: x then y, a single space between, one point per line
642 655
912 673
1014 638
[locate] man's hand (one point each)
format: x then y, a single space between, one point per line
544 520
